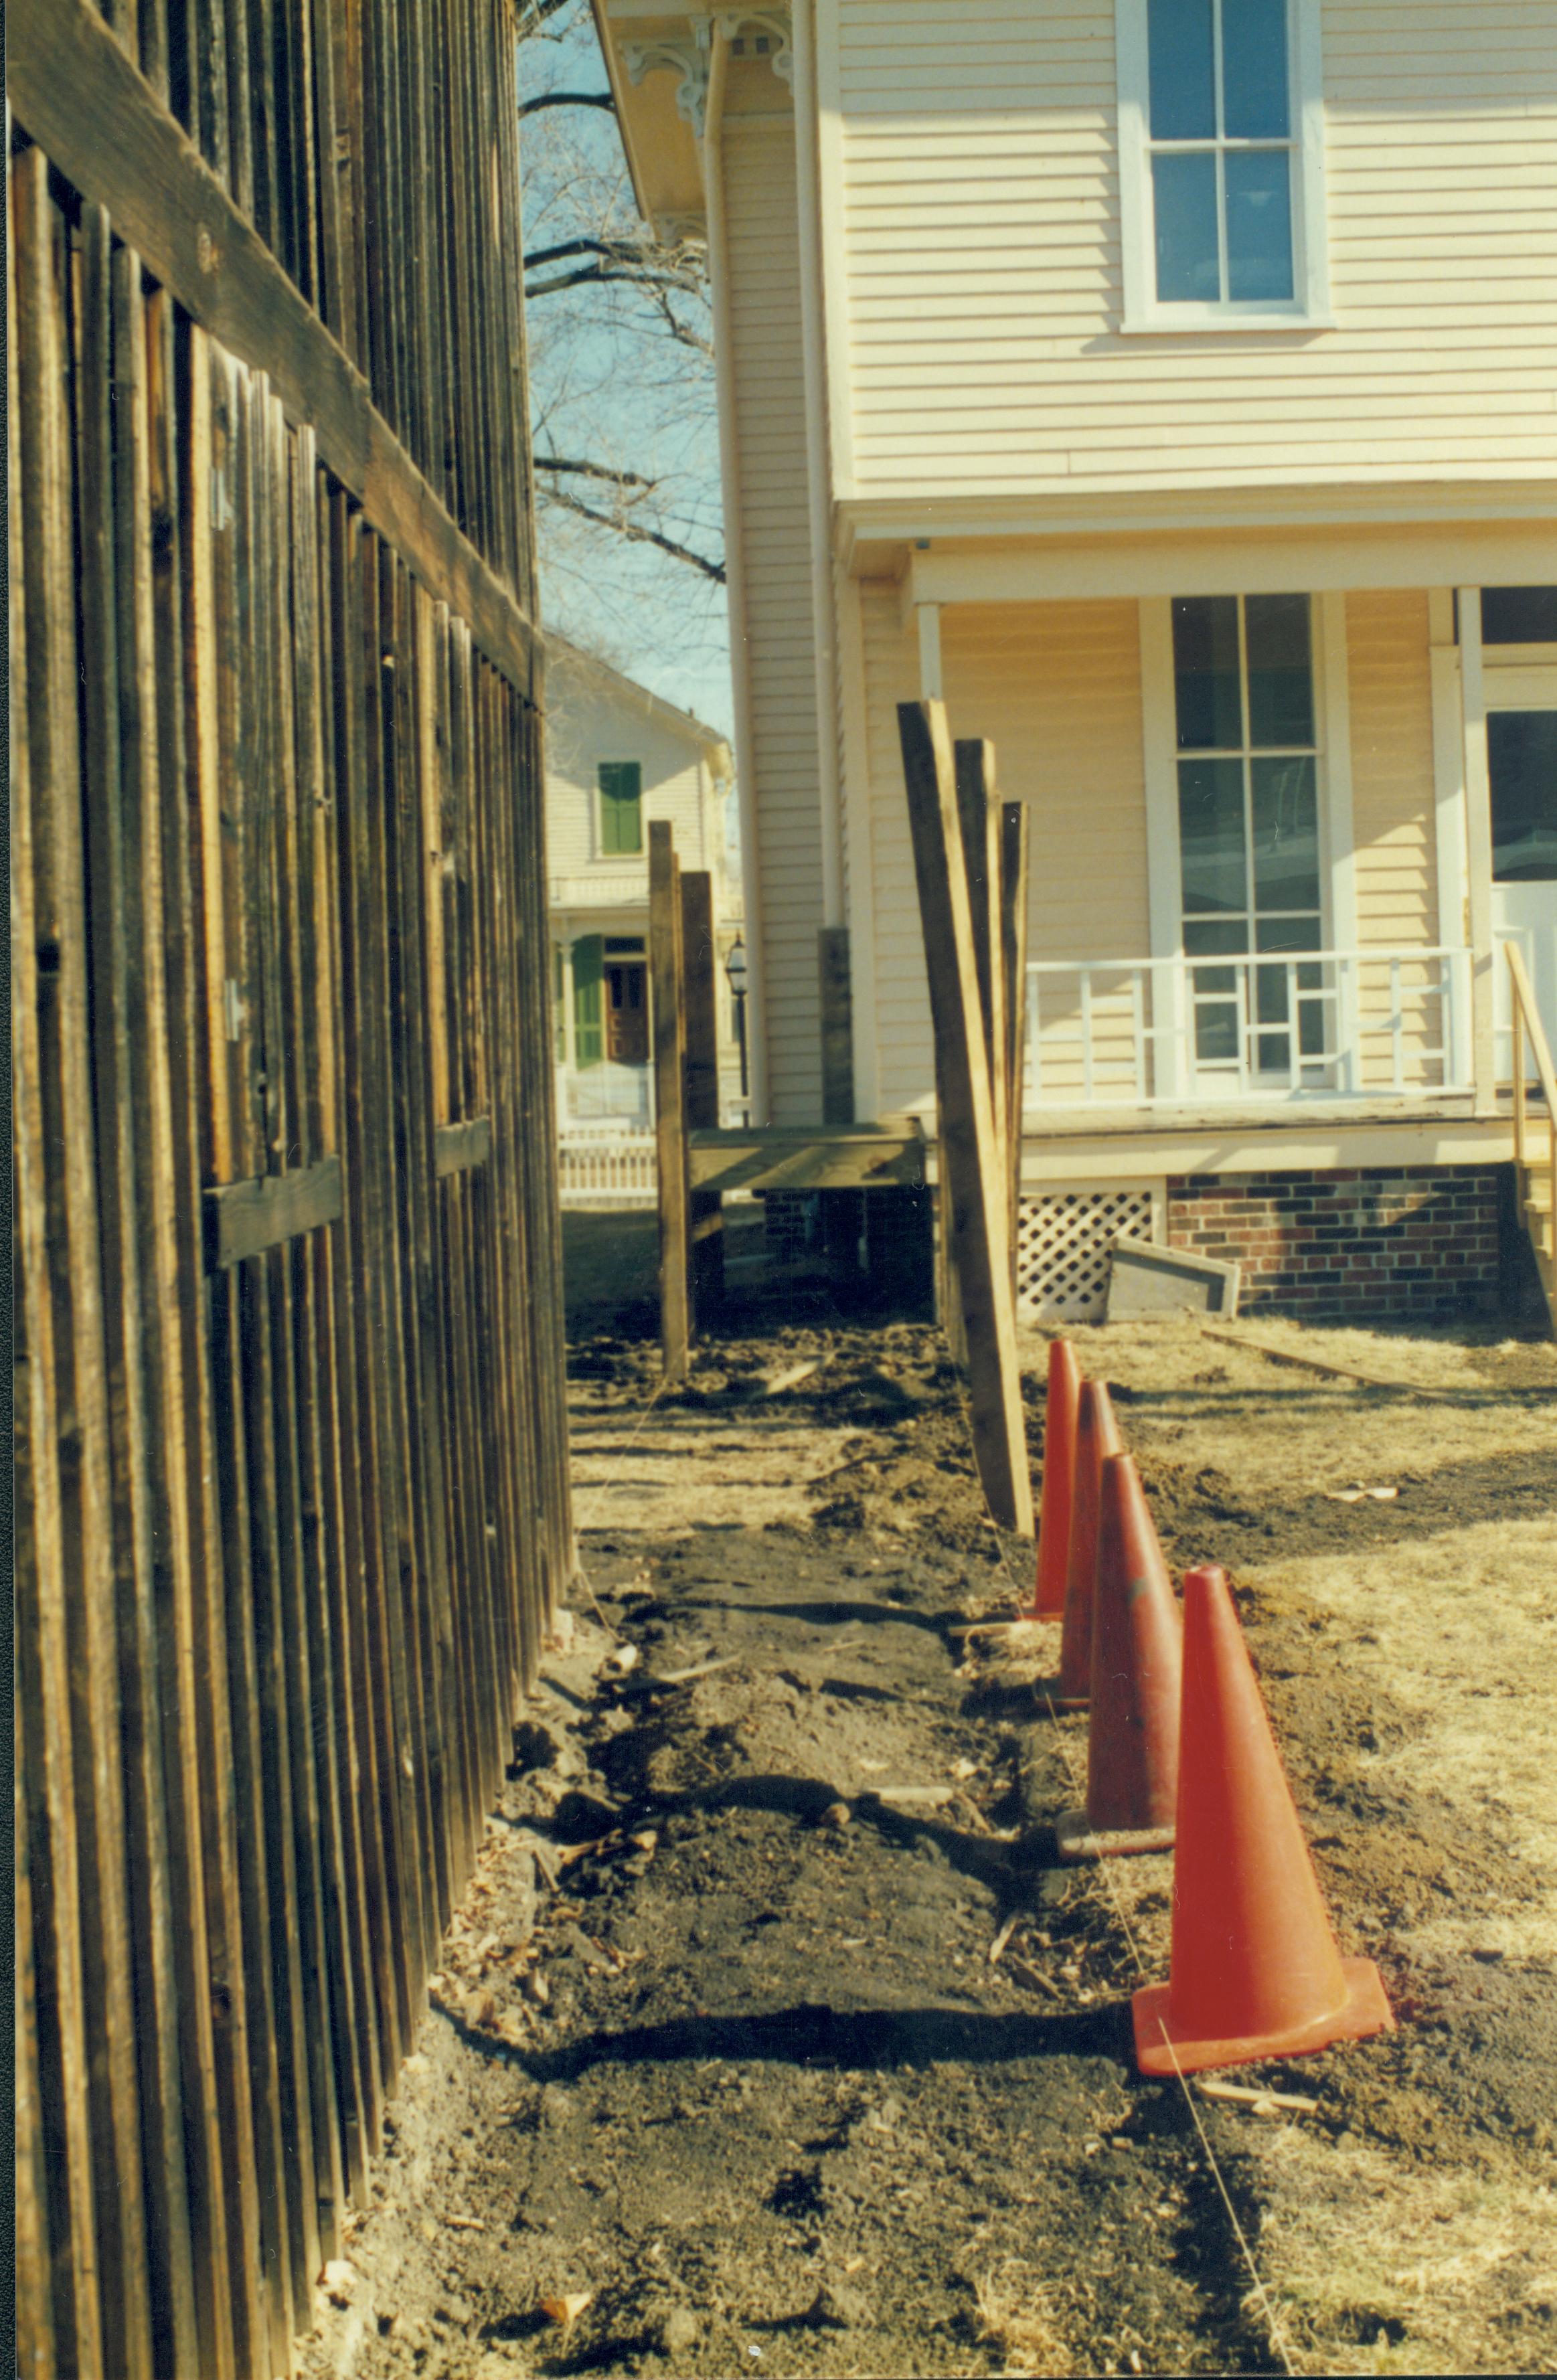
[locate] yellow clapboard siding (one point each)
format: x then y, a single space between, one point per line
1056 690
982 255
1393 768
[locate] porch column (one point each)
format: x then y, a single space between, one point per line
1478 853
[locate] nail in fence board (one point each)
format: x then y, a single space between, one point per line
970 1156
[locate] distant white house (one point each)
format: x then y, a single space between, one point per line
617 758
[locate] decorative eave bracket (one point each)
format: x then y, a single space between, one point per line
762 32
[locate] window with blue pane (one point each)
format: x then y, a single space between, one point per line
1249 830
1222 139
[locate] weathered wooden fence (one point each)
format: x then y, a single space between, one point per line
292 1506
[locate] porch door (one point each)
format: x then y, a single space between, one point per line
1246 728
627 1012
1522 770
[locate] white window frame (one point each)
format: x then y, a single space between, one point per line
1333 732
1309 307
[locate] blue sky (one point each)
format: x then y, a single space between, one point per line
609 385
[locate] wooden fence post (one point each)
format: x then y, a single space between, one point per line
970 1156
670 1114
837 1024
705 1207
1013 820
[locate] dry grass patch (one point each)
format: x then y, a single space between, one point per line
1380 2267
1015 2313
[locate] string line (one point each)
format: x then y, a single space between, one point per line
1275 2328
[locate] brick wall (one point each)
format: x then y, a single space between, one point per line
1418 1241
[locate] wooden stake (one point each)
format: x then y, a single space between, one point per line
837 1026
970 1152
670 1118
1014 965
705 1207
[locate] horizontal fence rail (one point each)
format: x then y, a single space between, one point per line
1149 1033
292 1505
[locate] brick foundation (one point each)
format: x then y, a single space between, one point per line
1417 1240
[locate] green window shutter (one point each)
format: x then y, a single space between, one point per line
621 807
559 1021
589 1016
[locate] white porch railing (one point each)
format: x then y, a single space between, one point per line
605 1164
1338 1025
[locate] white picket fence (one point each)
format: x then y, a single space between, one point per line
603 1166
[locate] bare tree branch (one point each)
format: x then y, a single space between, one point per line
566 99
636 531
596 273
595 471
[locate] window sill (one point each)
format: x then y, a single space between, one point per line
1216 323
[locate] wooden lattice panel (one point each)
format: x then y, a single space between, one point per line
1064 1245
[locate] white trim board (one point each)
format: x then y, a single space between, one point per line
1069 570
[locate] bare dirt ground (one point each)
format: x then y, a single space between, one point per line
771 2039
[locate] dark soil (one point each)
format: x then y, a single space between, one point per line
720 2043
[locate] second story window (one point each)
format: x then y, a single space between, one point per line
621 809
1221 130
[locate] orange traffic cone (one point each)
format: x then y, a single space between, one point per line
1255 1973
1097 1437
1137 1662
1059 1479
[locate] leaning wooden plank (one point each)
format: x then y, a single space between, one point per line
1014 871
705 1214
244 1218
979 816
670 1122
74 89
968 1146
458 1147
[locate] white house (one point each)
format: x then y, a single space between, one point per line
1171 386
617 756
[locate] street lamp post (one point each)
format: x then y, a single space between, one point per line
734 969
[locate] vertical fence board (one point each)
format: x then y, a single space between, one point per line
290 1530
